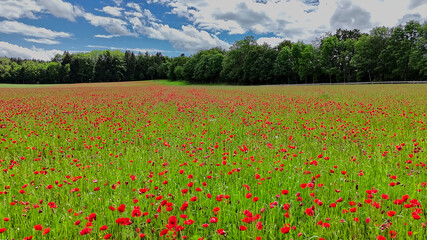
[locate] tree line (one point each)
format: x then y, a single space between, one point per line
385 54
95 66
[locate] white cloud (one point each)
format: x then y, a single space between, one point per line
150 50
283 18
350 16
134 6
114 26
41 40
61 9
15 51
415 3
188 38
272 41
118 2
113 11
293 19
106 36
14 27
13 9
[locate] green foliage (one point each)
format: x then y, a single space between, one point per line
283 65
178 61
348 55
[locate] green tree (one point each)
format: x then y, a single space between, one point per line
130 62
283 65
179 72
234 60
309 64
395 57
418 56
175 62
329 56
5 70
296 51
367 51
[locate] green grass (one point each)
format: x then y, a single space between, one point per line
84 136
170 83
5 85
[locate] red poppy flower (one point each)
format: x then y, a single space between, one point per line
121 208
393 234
285 229
164 232
368 220
172 222
85 231
123 221
46 231
309 212
242 228
391 213
38 227
136 212
92 217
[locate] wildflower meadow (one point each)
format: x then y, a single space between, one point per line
153 161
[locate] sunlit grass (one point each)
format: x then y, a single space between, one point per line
242 151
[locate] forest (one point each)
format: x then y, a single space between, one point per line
383 54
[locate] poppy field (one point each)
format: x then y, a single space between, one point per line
147 160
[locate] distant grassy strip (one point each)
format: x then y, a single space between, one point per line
170 83
6 85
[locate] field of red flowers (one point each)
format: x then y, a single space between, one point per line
145 160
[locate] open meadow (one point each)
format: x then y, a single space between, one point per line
148 160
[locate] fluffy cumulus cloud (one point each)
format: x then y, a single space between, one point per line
14 27
134 6
15 51
13 9
188 38
292 19
350 16
113 11
113 26
61 9
272 41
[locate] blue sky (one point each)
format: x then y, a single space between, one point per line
41 28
